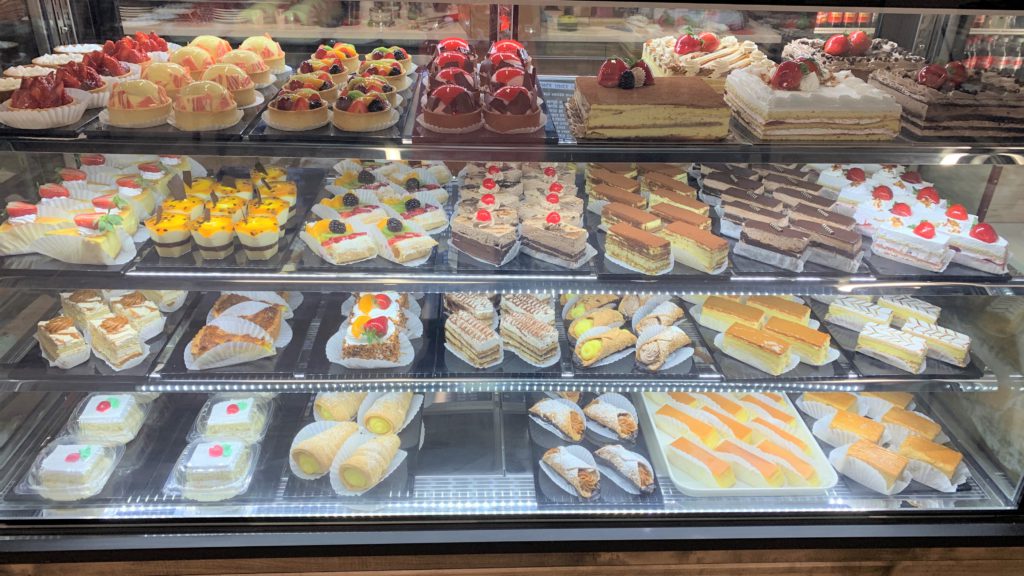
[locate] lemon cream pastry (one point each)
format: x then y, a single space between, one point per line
95 234
75 471
369 463
727 404
758 348
942 458
889 465
584 478
214 46
301 109
586 303
268 49
251 63
273 208
194 60
62 344
24 225
796 469
719 313
189 207
138 103
205 105
259 237
597 347
359 112
242 189
900 349
765 406
313 456
169 76
854 313
202 188
214 236
340 51
880 402
594 319
812 346
83 305
338 406
704 54
682 421
142 314
904 423
171 234
943 344
235 80
115 340
749 466
228 206
387 413
780 307
110 418
907 307
699 463
738 429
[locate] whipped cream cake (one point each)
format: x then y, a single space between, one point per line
882 54
790 101
713 66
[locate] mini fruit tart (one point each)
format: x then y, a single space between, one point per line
359 112
331 66
396 53
319 81
512 109
341 51
389 70
372 85
296 110
452 109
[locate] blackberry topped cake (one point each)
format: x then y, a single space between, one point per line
625 103
855 52
944 101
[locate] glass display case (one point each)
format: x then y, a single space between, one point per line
324 273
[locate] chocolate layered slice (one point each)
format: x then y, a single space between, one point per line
664 168
741 211
766 202
737 170
596 176
614 212
658 183
789 171
822 216
793 197
781 239
680 201
774 181
716 182
561 240
613 194
483 240
627 169
843 242
669 213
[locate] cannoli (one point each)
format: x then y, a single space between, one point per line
573 397
366 467
630 465
338 406
595 348
594 319
587 303
613 418
630 303
315 454
652 354
580 475
561 416
387 413
664 314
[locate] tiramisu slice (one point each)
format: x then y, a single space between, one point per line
529 338
613 213
473 339
480 237
529 304
638 249
670 213
599 175
477 305
606 193
652 183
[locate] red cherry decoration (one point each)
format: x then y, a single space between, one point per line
72 457
901 209
957 212
925 230
856 175
103 406
483 215
233 409
493 170
932 76
489 183
928 195
882 193
984 232
216 451
549 172
556 188
487 199
553 218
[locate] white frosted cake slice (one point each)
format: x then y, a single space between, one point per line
238 417
981 248
906 307
900 349
73 471
730 54
110 417
920 246
854 312
216 465
943 344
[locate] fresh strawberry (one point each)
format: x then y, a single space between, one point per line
643 67
856 175
382 301
984 232
611 69
956 72
837 45
928 196
957 212
93 160
860 43
128 182
72 175
911 177
787 76
105 202
687 44
358 107
89 220
882 193
708 41
925 230
932 76
902 209
150 167
17 209
376 328
53 191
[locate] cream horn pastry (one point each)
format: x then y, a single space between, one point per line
594 319
314 454
366 467
387 413
561 416
580 475
652 354
664 314
629 464
593 349
613 418
338 406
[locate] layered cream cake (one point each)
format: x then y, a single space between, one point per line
713 66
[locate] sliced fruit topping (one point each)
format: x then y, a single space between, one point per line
925 230
709 41
53 191
956 73
932 76
882 193
382 301
18 209
911 177
902 209
72 175
837 45
957 212
687 44
787 76
107 202
358 324
984 232
376 328
89 220
337 227
366 177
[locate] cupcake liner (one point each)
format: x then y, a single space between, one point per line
269 121
422 122
610 258
607 360
80 190
18 238
99 98
231 353
819 410
554 429
822 430
349 448
620 402
103 175
127 365
897 434
104 117
293 301
159 56
933 478
875 408
69 360
584 455
865 475
543 120
371 397
674 359
237 117
307 432
45 118
72 249
406 354
382 125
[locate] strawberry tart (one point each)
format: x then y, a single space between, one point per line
81 77
42 102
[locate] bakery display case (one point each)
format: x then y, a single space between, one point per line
360 273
